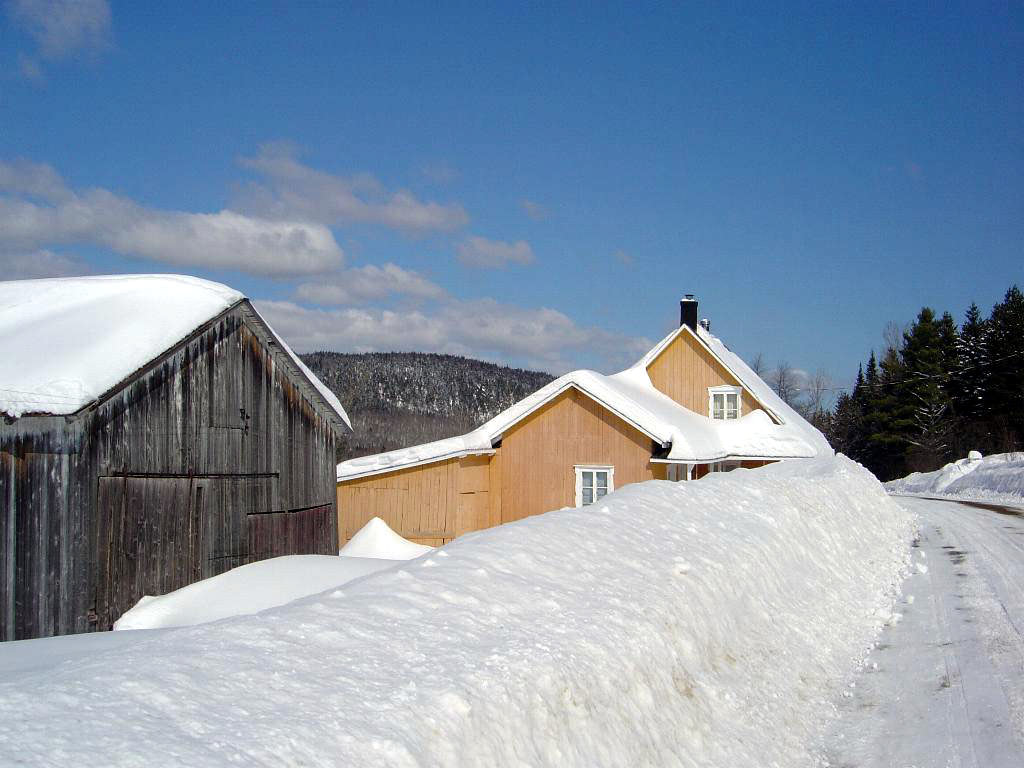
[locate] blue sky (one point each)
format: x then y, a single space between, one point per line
531 184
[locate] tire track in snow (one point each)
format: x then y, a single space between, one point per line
945 685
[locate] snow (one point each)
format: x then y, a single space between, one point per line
327 394
248 589
630 394
688 624
377 540
81 323
269 583
945 685
997 478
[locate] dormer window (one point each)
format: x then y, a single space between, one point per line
724 403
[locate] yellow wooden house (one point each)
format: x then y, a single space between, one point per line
687 408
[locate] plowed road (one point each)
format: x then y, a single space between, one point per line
945 684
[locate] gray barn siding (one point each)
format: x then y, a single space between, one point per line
211 458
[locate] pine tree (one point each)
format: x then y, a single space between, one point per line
929 348
969 383
846 427
1004 393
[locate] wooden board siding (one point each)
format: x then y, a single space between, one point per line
538 454
420 503
219 416
685 369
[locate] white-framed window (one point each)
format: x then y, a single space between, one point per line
724 402
679 472
593 482
725 466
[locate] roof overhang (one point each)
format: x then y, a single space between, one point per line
579 387
409 465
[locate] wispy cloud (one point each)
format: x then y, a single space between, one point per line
289 189
534 210
61 29
477 251
483 328
360 285
39 210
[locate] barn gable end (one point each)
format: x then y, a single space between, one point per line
218 453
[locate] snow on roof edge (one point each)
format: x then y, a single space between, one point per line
329 397
63 315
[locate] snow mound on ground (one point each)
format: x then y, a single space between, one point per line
376 539
998 478
248 589
686 624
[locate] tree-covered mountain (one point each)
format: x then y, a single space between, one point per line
397 399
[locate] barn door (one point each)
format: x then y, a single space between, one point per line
149 540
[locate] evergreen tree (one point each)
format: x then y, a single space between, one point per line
969 384
938 392
846 427
924 413
1004 395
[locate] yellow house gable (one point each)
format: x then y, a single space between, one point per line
685 369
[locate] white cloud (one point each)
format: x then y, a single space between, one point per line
368 283
41 211
534 210
624 258
35 180
477 251
60 28
291 190
41 263
483 328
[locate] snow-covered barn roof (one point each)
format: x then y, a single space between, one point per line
689 436
65 342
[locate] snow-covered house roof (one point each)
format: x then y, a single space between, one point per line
776 432
66 342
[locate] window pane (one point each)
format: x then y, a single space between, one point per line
718 401
602 480
588 479
600 493
588 495
730 401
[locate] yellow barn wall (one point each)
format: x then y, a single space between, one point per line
429 504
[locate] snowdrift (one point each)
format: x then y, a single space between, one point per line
269 583
248 589
676 624
376 539
998 478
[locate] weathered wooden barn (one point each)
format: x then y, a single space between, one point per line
154 430
688 407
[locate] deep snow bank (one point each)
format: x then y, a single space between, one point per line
999 478
248 589
269 583
703 623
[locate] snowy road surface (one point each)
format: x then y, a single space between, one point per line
945 685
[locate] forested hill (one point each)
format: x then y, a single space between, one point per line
397 399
